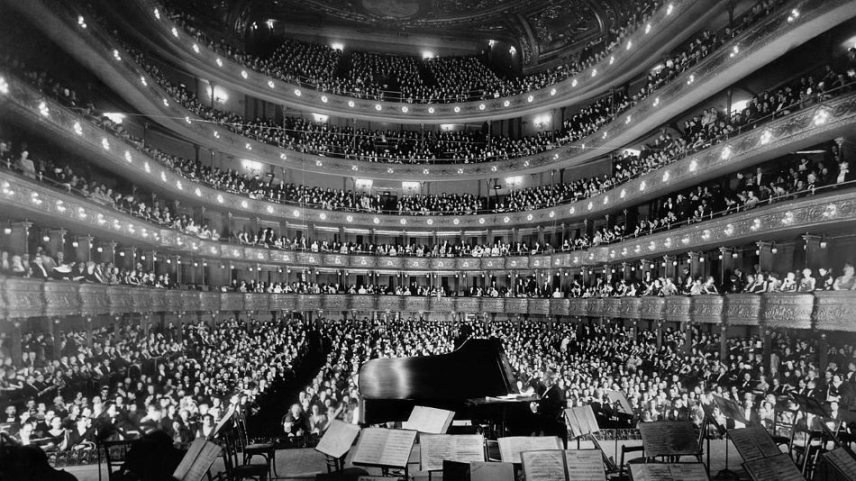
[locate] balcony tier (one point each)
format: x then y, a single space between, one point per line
27 298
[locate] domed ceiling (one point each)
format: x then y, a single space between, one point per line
539 27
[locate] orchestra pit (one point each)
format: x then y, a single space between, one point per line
505 240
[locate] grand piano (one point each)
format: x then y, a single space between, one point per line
469 381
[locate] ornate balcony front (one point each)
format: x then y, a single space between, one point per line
827 311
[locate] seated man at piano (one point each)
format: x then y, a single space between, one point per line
550 408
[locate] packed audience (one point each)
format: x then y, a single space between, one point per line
662 379
68 391
409 147
401 78
41 264
700 132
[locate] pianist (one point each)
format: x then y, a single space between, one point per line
550 408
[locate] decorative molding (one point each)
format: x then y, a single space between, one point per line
835 310
832 311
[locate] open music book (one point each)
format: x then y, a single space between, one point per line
338 439
197 461
559 465
511 447
384 447
429 420
437 448
669 472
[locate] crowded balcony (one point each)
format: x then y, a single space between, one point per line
657 34
757 46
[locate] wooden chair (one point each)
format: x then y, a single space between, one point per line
114 456
251 448
629 449
234 469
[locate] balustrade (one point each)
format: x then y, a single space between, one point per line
835 310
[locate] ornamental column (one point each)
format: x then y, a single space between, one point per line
815 252
55 241
696 264
726 263
766 259
669 267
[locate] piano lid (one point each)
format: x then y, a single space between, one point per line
478 368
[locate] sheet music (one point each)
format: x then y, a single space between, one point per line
843 461
753 443
437 448
384 447
544 465
581 421
482 471
623 405
731 409
775 468
669 438
556 465
511 447
585 465
668 472
429 420
196 462
338 439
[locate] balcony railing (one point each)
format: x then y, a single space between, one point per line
40 202
833 310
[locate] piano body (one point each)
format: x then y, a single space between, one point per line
477 371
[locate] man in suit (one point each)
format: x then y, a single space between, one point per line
551 407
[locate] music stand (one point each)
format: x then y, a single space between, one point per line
731 410
582 423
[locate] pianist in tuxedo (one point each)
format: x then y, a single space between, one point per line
550 408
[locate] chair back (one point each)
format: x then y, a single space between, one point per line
114 455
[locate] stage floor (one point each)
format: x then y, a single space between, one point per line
304 464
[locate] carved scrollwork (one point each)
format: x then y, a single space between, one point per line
560 307
364 302
335 302
612 307
231 301
516 305
677 309
539 307
595 307
390 303
788 310
652 308
308 302
707 309
630 307
94 300
835 310
743 309
442 304
496 305
467 304
579 307
416 304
